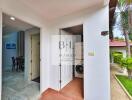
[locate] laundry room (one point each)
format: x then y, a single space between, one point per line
72 69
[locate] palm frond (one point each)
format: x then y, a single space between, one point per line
122 5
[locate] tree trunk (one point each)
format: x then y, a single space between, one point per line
129 74
128 47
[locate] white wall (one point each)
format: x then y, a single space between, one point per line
96 68
97 72
25 13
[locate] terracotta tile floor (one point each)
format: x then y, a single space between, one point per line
73 91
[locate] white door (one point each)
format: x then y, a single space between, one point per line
66 59
35 56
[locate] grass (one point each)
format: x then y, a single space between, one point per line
127 83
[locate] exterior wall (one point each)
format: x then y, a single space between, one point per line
25 13
94 21
96 68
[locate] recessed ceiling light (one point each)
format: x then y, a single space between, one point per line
12 18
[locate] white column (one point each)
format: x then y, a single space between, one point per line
96 56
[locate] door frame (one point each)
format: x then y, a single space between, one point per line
60 53
30 72
60 61
26 75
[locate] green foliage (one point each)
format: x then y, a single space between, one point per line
130 34
123 14
126 62
117 57
123 62
127 83
119 38
121 3
129 63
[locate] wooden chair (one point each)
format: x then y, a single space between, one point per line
13 63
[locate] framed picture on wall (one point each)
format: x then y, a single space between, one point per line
10 46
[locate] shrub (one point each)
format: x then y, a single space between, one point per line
117 57
123 62
129 63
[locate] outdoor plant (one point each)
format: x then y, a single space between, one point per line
129 67
123 22
117 57
127 63
123 62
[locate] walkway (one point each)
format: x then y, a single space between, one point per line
117 92
14 87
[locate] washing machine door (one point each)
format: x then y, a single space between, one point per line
79 69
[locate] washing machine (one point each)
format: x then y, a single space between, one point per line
79 69
78 60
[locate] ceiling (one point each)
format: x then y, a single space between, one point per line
10 26
52 9
75 30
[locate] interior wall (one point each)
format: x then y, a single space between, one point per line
26 14
8 53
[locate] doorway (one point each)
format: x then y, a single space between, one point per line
35 58
71 60
16 42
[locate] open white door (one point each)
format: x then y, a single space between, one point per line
66 58
35 56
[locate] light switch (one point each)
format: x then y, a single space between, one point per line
91 53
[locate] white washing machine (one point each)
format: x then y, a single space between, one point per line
78 68
78 60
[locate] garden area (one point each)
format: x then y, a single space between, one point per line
127 83
125 80
121 55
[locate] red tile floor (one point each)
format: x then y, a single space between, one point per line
73 91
